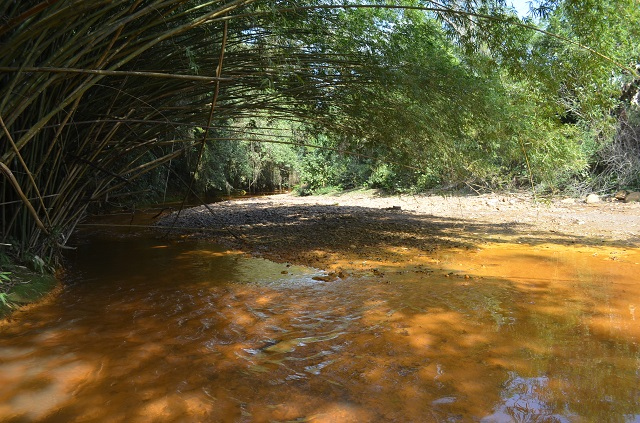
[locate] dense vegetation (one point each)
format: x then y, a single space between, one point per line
447 101
115 100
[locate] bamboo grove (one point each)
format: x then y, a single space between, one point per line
96 95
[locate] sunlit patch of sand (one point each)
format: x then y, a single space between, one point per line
265 299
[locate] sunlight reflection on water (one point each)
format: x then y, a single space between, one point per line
180 331
524 399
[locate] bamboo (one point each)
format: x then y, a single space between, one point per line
95 95
214 101
116 73
12 179
26 169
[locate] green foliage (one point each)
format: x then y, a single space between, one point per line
19 285
231 163
5 286
464 94
383 177
616 164
576 93
320 167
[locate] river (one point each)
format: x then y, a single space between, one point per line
154 330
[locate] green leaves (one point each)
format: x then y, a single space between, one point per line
452 88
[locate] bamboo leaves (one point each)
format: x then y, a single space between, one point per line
96 95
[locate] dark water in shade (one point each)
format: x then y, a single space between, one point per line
155 331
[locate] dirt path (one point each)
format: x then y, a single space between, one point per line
362 229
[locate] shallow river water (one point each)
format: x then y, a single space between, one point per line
148 330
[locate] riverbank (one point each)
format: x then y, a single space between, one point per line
364 230
20 287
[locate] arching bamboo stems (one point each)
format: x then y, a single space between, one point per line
14 182
214 101
94 92
140 171
131 56
196 78
12 23
27 171
510 20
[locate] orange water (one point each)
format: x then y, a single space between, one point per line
149 330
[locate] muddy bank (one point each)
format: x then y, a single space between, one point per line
344 230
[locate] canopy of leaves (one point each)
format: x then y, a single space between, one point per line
96 97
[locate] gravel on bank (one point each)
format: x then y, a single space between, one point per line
363 225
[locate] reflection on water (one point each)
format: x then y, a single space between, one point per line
524 399
178 331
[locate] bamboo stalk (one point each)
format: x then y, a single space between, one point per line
26 15
195 78
14 182
93 94
26 169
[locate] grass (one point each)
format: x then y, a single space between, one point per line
21 286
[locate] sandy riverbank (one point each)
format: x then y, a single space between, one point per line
344 230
